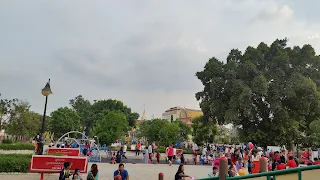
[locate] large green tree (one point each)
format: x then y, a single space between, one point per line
160 131
64 120
115 105
110 126
270 92
184 130
90 113
18 119
84 109
203 131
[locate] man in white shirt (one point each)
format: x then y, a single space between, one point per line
125 148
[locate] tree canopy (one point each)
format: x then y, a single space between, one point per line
64 120
271 93
110 126
203 131
160 131
90 113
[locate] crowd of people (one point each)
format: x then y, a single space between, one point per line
245 160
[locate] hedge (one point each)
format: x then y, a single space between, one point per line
17 146
15 162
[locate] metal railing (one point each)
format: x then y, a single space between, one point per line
273 174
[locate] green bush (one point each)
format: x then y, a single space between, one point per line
7 141
17 146
15 162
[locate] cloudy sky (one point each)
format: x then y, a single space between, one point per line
138 51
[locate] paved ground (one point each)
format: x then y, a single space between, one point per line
136 172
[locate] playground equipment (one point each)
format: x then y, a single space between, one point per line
93 152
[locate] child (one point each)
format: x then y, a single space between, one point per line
76 175
203 159
158 157
113 160
239 164
182 159
65 172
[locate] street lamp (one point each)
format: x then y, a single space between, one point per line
46 91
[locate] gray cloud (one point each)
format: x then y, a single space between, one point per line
139 52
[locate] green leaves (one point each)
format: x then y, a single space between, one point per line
203 131
268 87
110 127
162 131
64 120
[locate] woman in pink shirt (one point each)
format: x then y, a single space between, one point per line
216 162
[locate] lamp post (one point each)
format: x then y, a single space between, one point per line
46 91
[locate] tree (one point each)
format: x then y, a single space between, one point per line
90 113
64 120
115 105
7 109
203 131
160 131
19 120
184 130
110 127
269 92
84 109
315 133
26 123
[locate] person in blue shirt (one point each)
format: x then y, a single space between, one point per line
122 172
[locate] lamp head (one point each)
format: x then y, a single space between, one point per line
46 91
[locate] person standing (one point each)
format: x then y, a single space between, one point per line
125 147
170 154
150 151
138 148
121 172
146 156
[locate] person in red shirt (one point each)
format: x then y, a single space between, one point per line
280 165
291 163
170 154
316 162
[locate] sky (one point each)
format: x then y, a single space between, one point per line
139 52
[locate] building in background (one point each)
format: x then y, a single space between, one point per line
184 115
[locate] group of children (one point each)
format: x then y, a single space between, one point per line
65 173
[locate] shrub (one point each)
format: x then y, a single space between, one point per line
7 141
17 146
15 162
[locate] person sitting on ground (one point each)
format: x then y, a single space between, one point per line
121 172
180 173
93 174
77 175
291 163
280 165
118 157
214 172
65 172
316 161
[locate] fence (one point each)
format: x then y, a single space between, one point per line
302 173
